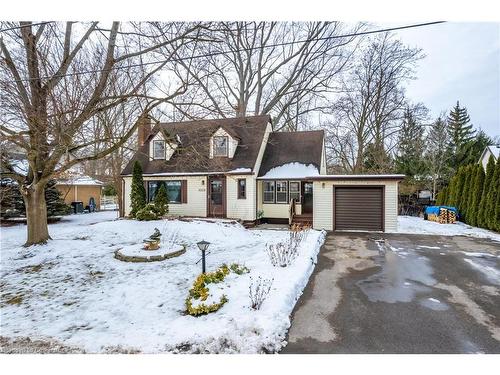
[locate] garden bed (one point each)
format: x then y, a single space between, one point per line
135 253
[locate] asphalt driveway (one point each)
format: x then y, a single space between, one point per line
400 293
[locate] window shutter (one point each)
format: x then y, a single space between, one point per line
147 191
184 192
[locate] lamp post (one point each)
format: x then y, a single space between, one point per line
203 246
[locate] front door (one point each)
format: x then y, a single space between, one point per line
307 198
216 196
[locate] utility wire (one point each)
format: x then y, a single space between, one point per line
23 26
233 51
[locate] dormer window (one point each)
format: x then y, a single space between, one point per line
158 149
220 146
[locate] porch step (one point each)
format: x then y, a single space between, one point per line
306 219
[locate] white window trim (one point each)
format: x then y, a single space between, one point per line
264 192
289 192
214 148
276 191
164 149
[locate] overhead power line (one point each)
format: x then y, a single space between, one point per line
24 26
239 50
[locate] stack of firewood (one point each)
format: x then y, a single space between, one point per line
445 216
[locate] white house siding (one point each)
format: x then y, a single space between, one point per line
196 195
243 209
323 202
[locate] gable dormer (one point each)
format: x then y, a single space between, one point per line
223 144
161 147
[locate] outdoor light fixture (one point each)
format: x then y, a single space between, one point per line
203 246
323 185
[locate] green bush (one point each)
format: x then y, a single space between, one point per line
200 291
148 212
161 201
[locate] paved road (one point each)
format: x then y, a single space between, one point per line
401 294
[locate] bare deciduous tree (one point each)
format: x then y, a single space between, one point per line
369 111
54 80
278 68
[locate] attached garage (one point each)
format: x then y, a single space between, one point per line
356 202
358 208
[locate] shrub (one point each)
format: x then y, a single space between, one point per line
138 191
147 213
161 200
283 254
258 291
200 291
238 269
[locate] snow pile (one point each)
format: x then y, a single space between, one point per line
412 224
292 170
73 289
240 170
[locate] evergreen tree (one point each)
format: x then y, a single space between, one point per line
490 169
492 205
477 191
459 186
138 191
436 155
474 149
452 191
12 203
55 203
442 197
161 200
464 198
409 158
461 134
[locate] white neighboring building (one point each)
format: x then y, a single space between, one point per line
489 151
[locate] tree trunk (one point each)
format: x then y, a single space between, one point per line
36 215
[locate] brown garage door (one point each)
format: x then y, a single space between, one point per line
359 208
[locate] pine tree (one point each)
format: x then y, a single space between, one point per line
490 169
409 158
138 191
492 205
442 197
459 186
452 191
436 154
461 134
55 203
477 191
464 198
161 200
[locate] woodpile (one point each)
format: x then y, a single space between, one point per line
445 217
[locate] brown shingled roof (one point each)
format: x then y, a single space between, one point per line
192 155
282 148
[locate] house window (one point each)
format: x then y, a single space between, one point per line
294 193
268 191
281 192
174 190
220 146
242 188
158 149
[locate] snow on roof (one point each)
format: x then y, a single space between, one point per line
292 170
79 180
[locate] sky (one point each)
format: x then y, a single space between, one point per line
462 63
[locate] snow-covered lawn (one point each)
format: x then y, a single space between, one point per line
412 224
74 291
